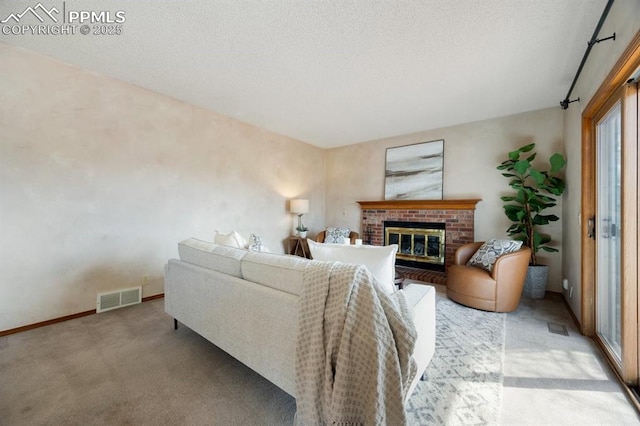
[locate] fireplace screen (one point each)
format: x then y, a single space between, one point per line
420 245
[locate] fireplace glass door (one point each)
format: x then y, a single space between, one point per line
419 245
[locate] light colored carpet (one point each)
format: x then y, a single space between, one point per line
129 366
464 383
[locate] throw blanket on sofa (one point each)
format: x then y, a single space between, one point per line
353 354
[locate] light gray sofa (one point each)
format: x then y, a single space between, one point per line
246 303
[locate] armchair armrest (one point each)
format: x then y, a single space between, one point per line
353 236
509 272
508 264
464 252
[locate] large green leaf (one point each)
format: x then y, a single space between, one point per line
557 162
538 177
537 239
543 238
521 166
549 249
541 219
527 148
555 185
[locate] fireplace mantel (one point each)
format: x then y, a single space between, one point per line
463 204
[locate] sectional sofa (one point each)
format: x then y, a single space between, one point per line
247 304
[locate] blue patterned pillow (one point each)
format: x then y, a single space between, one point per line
336 235
490 251
257 244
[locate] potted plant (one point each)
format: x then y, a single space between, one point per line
535 192
302 230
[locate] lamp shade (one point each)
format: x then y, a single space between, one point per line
299 206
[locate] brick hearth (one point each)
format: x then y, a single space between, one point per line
458 215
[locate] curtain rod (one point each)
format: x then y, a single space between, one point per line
594 40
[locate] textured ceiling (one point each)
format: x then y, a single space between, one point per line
333 73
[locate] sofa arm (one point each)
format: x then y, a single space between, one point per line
422 302
465 251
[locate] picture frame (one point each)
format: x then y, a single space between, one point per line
414 172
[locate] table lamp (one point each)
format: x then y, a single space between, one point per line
299 207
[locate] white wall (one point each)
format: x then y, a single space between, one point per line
99 180
624 20
472 152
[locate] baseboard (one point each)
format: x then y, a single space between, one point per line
154 297
573 316
64 318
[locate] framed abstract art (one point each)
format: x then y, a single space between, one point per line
414 172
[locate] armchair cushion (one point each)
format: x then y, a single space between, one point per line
491 250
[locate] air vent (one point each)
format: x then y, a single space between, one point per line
118 299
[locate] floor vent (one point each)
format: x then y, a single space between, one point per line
118 299
557 329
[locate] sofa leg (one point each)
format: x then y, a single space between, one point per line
424 377
175 324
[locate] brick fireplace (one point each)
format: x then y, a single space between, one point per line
457 215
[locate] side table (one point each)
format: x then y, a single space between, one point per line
399 280
298 246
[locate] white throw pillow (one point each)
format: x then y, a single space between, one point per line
232 239
485 257
379 260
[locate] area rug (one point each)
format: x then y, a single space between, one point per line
464 378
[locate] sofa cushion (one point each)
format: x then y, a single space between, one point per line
379 260
485 257
213 256
282 272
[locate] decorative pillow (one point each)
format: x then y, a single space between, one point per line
336 235
379 260
490 251
256 244
232 239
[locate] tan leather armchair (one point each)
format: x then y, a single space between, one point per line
353 236
499 291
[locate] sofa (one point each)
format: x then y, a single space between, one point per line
246 303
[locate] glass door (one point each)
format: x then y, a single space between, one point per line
610 242
607 230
